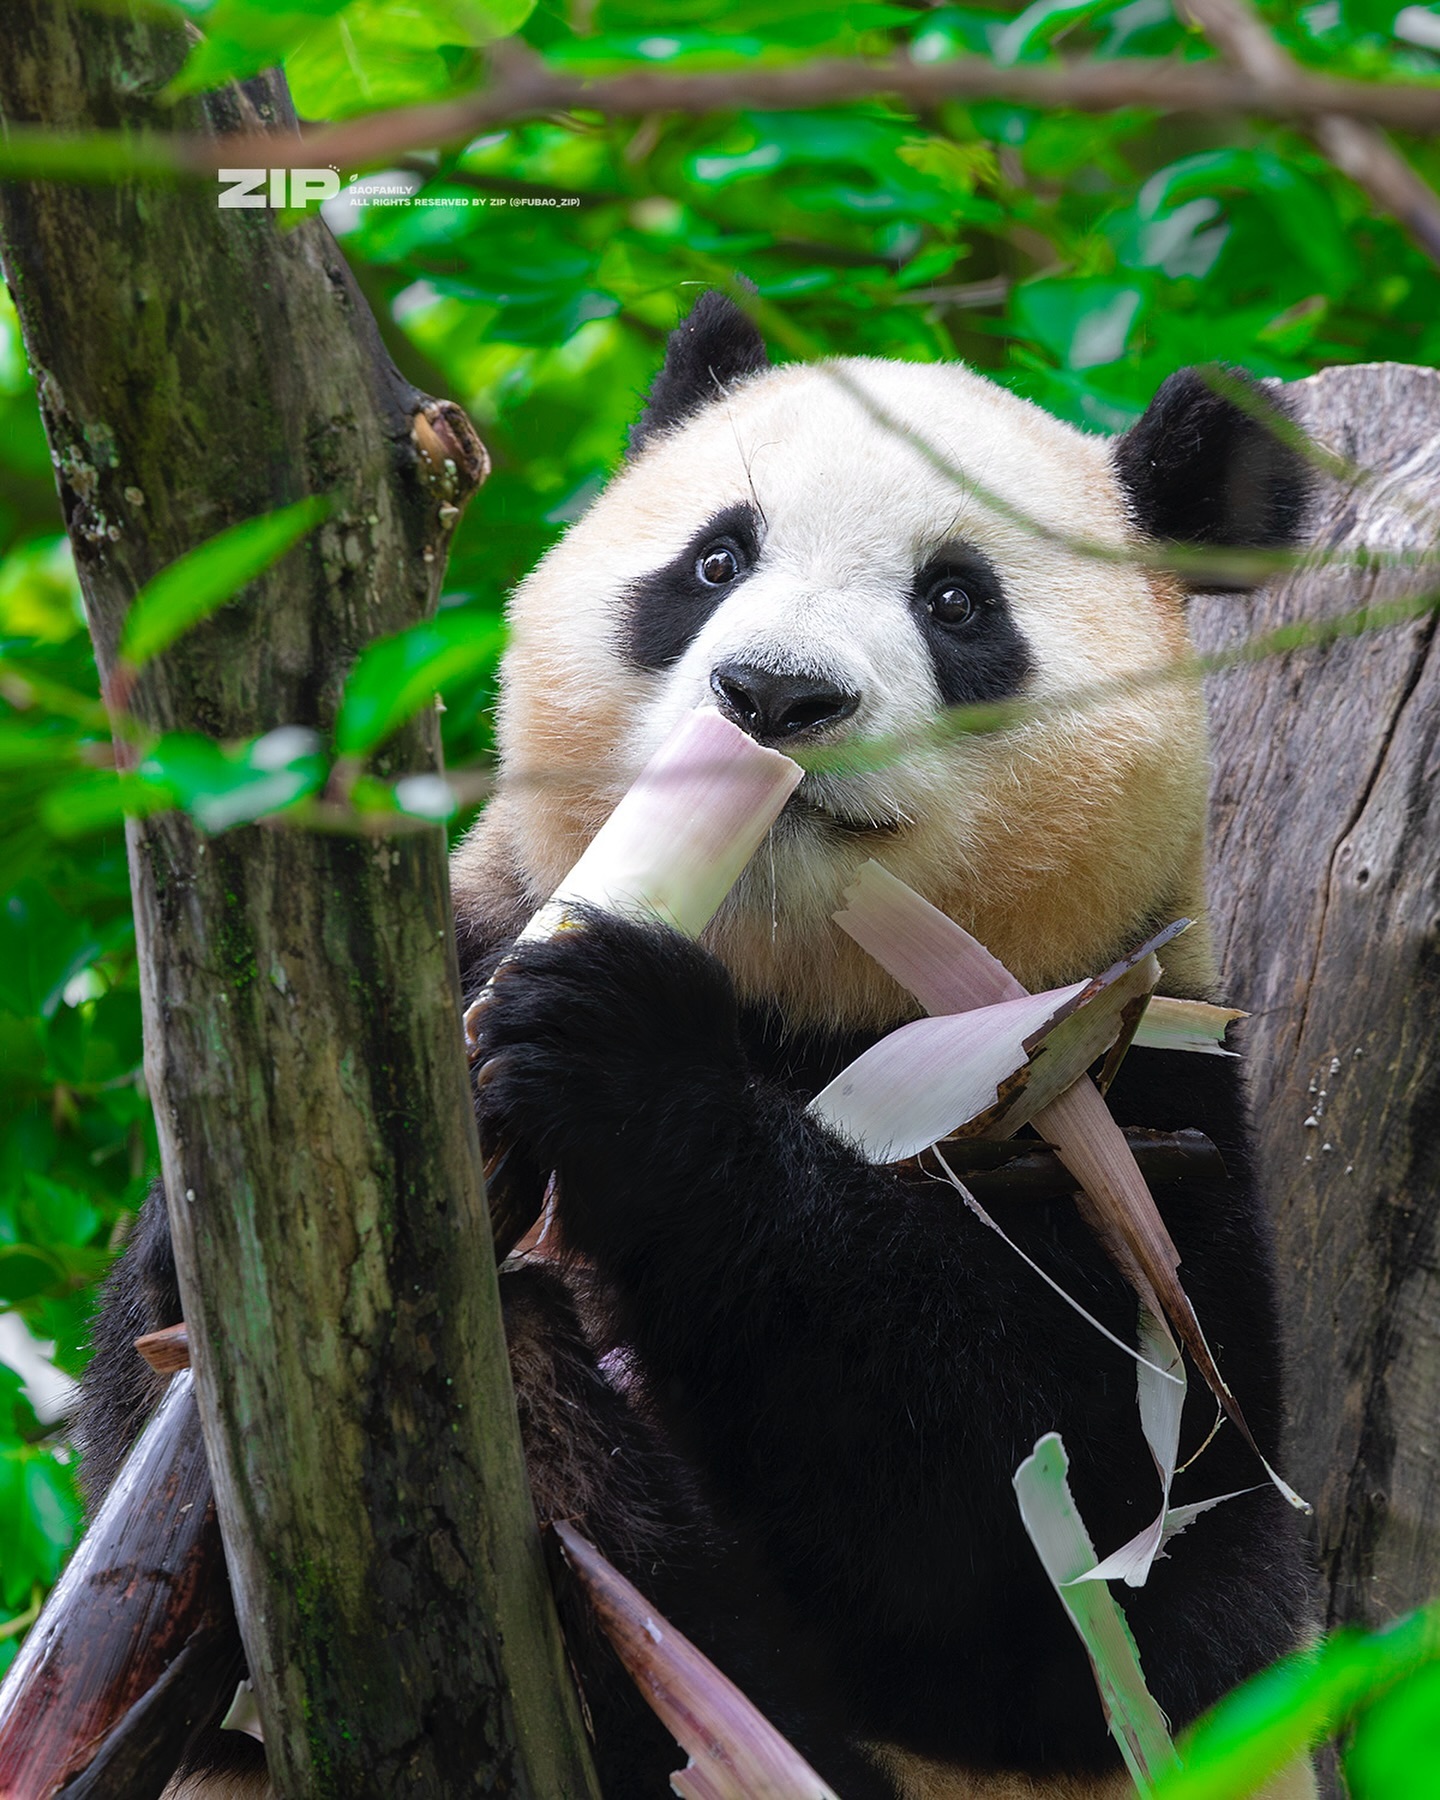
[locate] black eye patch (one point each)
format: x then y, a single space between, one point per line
665 609
978 651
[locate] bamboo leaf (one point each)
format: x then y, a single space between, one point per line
196 584
939 961
735 1752
928 1079
1161 1385
946 969
1160 1373
1092 1146
1169 1024
1063 1545
984 1072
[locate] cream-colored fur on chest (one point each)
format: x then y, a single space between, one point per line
1055 843
919 1779
916 1778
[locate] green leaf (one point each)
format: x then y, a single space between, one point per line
242 37
1029 34
39 593
1042 1489
224 786
380 53
192 587
1084 321
97 800
399 675
1274 1718
343 56
41 949
39 1519
1395 1754
27 1270
63 1214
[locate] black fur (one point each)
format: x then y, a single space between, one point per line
833 1374
120 1389
985 657
833 1370
665 609
854 1366
1200 469
715 346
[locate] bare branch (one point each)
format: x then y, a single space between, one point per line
1357 147
525 89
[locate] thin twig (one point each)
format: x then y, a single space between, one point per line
526 89
1357 147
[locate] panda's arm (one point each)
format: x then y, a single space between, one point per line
858 1366
833 1343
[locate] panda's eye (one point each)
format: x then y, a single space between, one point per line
949 602
717 564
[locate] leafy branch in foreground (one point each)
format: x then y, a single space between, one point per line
229 785
1008 715
1382 1685
523 88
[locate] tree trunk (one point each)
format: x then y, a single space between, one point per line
195 368
1325 888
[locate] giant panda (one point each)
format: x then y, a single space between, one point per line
784 1390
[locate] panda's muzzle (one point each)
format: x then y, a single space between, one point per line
780 708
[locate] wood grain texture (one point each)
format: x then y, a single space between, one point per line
1325 889
142 1607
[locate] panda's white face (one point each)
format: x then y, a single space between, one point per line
795 555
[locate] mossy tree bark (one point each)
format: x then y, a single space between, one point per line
1325 887
198 367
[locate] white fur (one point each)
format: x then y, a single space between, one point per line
1050 841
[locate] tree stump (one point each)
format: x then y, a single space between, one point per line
1325 892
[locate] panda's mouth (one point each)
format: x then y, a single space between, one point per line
825 814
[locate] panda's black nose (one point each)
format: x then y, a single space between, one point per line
773 707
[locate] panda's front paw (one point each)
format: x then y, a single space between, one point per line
609 1053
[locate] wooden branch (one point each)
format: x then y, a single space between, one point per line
1358 148
167 1350
138 1757
197 367
522 88
144 1600
1008 1170
1325 869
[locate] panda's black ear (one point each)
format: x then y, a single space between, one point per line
1200 469
714 346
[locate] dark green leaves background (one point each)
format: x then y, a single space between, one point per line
1077 259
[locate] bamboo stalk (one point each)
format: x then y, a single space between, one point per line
144 1601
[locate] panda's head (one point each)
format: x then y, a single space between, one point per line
843 550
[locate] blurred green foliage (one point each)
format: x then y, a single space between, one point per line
532 275
1381 1688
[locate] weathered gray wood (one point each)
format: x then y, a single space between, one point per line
195 368
1326 893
